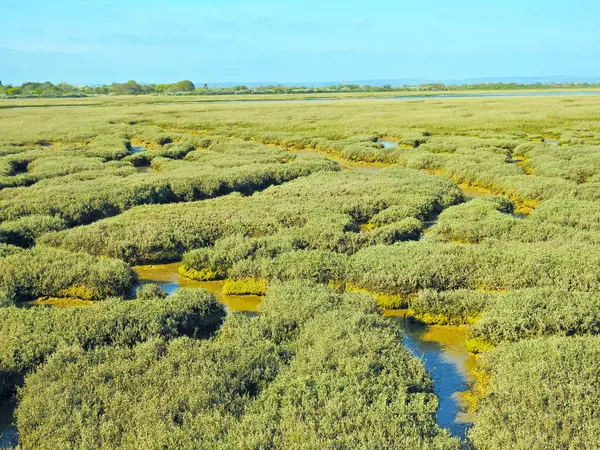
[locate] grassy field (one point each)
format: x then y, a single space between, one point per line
478 212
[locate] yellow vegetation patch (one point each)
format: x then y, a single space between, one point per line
437 172
386 301
245 286
439 319
202 274
366 227
478 345
141 142
478 388
82 292
61 302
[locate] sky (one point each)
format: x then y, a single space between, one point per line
223 41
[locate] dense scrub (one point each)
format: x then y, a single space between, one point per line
309 372
409 267
542 394
80 199
253 193
322 212
533 313
29 336
40 272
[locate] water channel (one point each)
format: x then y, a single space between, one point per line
442 348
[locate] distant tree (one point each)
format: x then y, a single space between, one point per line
182 86
129 88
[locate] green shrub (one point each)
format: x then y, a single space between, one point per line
29 336
150 291
42 272
449 307
410 267
333 352
532 313
323 211
542 394
24 231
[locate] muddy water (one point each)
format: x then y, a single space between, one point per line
363 167
168 277
60 302
442 349
8 432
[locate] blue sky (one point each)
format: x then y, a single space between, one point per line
99 41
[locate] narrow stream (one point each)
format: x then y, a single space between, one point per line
143 169
443 351
441 348
168 277
137 149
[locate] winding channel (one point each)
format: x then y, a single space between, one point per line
441 348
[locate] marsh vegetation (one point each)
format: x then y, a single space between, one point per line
125 230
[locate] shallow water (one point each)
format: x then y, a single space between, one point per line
551 141
443 351
168 277
134 149
408 97
387 144
8 432
326 99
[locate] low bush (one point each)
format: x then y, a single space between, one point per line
42 272
308 372
531 313
409 267
542 394
323 211
29 336
449 307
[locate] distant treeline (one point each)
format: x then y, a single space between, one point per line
47 89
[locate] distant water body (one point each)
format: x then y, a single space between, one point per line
411 97
337 99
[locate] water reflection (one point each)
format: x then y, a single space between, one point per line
442 349
387 144
137 149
